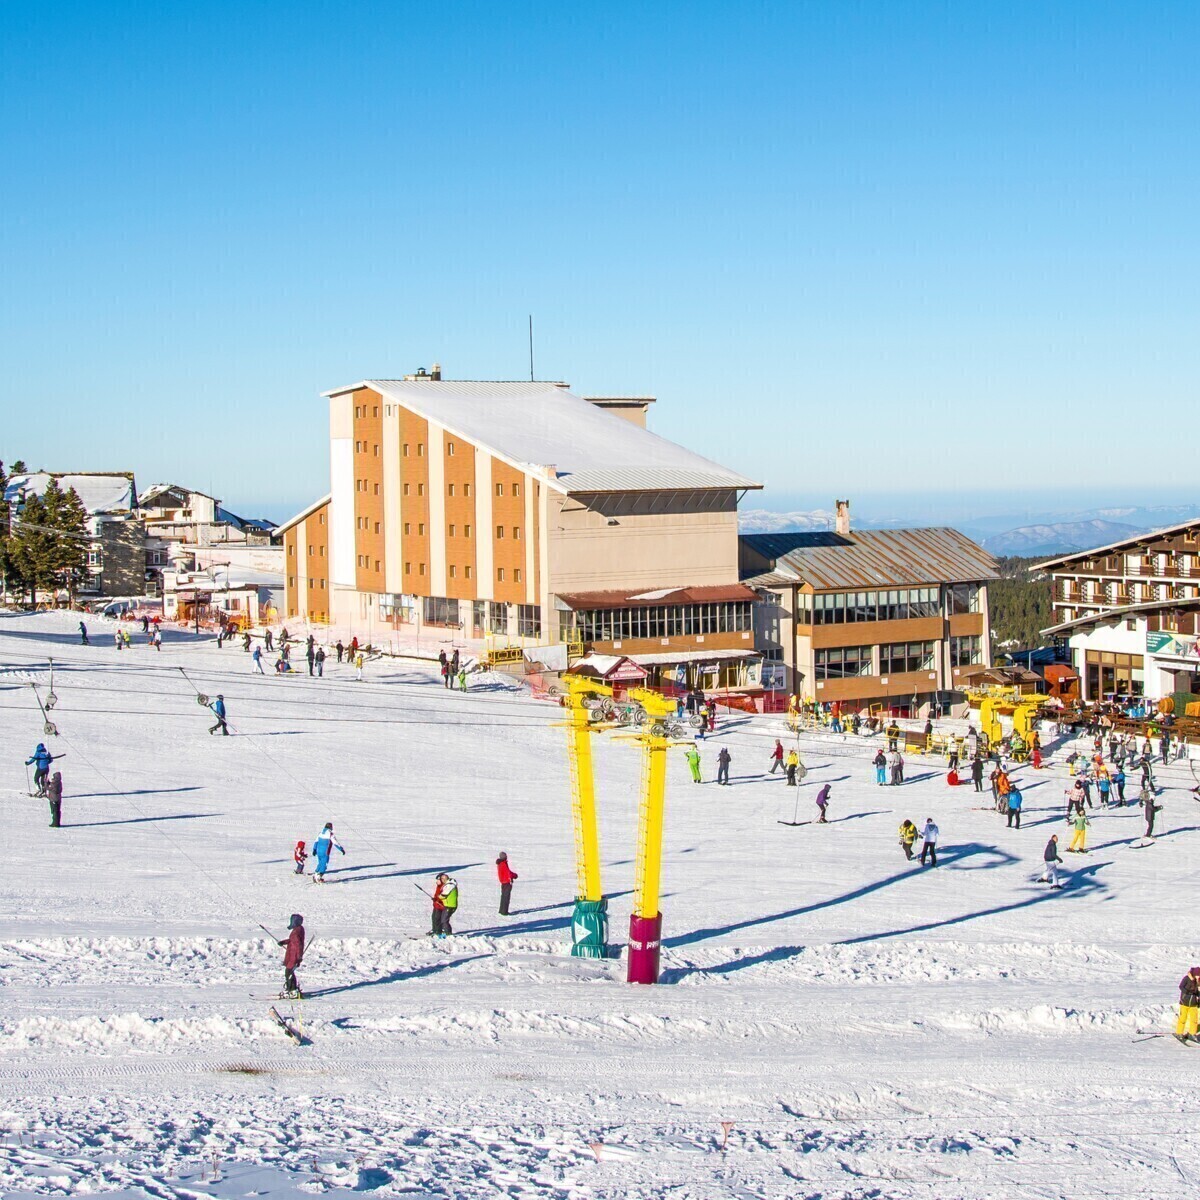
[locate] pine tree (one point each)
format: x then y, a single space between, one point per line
70 521
32 548
5 569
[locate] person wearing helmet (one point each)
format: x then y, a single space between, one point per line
293 956
218 708
1189 1007
506 875
40 760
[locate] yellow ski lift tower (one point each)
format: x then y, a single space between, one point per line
645 922
589 704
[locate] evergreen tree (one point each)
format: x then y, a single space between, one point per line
5 570
66 515
32 548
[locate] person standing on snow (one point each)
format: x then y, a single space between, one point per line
896 766
908 835
506 875
793 767
40 760
340 649
1051 862
256 659
83 634
1149 809
723 761
293 956
54 794
310 653
445 904
1080 824
1188 1025
300 857
1015 800
323 847
118 639
693 761
776 757
929 836
358 667
218 708
977 772
823 804
320 661
1119 783
880 763
269 641
156 639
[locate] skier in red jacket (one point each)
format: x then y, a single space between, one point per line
506 875
293 956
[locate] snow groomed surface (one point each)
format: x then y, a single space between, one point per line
865 1028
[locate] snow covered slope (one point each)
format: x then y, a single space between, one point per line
867 1028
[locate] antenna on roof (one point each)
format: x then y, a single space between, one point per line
531 347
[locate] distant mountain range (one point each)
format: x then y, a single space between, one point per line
1042 535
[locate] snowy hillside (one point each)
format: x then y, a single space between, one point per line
1061 537
865 1027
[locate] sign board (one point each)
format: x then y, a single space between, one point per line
626 671
774 676
1173 645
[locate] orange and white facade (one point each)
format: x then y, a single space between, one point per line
479 505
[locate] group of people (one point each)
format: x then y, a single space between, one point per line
929 840
47 786
453 670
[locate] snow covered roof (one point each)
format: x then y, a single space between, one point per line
100 491
157 490
546 427
726 593
304 512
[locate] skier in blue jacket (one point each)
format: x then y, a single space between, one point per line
218 708
322 848
43 758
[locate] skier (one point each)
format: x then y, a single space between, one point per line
445 905
218 708
723 761
823 804
1189 1007
256 659
358 667
1080 824
269 641
462 678
1051 862
776 757
300 857
54 793
929 835
293 956
117 638
340 649
246 642
323 847
1015 801
1149 808
793 767
977 773
319 658
908 835
952 760
896 766
40 759
1105 786
880 762
506 875
83 633
156 639
353 647
693 761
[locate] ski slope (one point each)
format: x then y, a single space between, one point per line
862 1027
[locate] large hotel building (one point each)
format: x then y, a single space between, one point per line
524 510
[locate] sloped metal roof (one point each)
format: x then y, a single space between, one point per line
872 558
578 446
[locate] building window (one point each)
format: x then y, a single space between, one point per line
467 571
516 533
376 526
358 447
405 449
499 574
500 532
845 662
377 489
375 410
466 489
406 489
377 564
450 489
375 451
310 551
962 598
966 651
466 531
529 620
499 489
449 447
902 657
420 529
452 530
453 572
516 575
420 568
420 449
420 489
663 621
408 568
407 528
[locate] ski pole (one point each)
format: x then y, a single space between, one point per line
423 891
267 932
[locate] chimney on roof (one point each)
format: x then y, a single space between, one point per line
631 408
434 376
841 520
435 372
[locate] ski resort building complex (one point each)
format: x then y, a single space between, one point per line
524 511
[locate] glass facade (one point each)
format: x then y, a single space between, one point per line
844 662
678 620
966 651
900 657
844 608
962 598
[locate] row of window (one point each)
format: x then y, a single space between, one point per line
896 658
486 615
895 604
679 620
966 651
467 572
312 583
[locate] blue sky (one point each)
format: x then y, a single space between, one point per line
855 249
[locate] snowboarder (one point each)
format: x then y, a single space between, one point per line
1015 800
445 904
319 658
693 761
1051 862
793 767
293 956
908 835
506 875
929 836
54 794
776 757
723 761
323 847
300 857
881 767
256 659
1189 1007
218 708
83 633
823 804
40 760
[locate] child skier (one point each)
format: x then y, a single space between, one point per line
293 956
693 761
1188 1025
40 760
823 804
325 844
300 857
